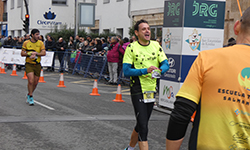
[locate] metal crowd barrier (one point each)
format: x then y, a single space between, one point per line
9 46
87 64
91 65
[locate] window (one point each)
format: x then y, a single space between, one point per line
59 2
119 31
12 33
95 31
156 32
119 0
19 3
12 4
19 33
106 1
106 31
94 1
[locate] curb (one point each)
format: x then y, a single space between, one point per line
162 110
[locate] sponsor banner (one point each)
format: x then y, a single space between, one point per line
167 93
173 13
48 23
199 39
202 29
204 14
46 61
173 73
13 56
186 63
172 40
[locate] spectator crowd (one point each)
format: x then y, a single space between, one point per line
112 47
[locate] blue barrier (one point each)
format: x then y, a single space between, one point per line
88 65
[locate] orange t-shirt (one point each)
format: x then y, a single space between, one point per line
219 82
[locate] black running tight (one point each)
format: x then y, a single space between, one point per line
142 113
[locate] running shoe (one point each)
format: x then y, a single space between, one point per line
31 101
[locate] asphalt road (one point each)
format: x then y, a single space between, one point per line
69 118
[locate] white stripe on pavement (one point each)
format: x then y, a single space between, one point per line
43 105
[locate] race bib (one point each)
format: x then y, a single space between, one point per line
148 97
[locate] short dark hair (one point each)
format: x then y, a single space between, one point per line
103 40
231 39
33 31
136 26
125 40
245 20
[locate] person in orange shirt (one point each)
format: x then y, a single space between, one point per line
33 49
218 88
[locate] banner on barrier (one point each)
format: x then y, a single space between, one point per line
189 27
167 93
13 56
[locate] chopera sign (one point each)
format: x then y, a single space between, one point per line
48 16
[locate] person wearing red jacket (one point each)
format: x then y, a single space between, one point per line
113 59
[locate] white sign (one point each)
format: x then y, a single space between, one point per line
172 40
167 93
13 56
200 39
87 14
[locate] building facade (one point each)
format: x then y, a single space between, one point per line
115 16
44 15
232 14
3 18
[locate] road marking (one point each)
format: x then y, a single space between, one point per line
7 119
49 75
81 81
126 91
43 105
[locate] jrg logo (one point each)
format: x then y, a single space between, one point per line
173 9
203 9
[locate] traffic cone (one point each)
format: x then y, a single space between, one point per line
118 97
95 90
3 69
14 71
0 66
61 82
25 76
193 116
41 78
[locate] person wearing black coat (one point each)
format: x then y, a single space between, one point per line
9 42
60 48
98 46
50 46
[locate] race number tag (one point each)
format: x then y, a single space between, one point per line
148 96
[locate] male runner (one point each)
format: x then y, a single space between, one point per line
141 58
218 88
33 49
